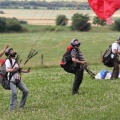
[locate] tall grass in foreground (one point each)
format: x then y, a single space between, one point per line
50 98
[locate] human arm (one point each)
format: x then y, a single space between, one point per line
3 51
25 71
77 56
78 61
115 51
116 48
11 69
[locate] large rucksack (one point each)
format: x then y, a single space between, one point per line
107 57
4 76
69 66
66 63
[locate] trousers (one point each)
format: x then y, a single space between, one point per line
115 71
13 99
77 80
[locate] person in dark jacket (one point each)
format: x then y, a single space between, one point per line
78 59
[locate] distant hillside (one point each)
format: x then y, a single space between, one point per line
30 4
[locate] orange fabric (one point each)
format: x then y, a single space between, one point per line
104 8
2 61
69 48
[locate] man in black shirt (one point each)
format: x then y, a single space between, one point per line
78 59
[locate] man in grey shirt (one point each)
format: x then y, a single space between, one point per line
78 59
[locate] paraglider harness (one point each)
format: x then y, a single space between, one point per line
5 76
69 66
108 56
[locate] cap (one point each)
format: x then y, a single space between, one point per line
7 51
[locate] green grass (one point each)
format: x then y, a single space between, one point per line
50 87
52 44
50 98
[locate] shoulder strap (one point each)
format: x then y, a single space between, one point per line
67 52
11 62
11 74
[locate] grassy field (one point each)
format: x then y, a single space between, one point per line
50 87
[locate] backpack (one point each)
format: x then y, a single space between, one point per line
106 58
4 75
66 63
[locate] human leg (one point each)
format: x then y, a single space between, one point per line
115 72
24 90
77 81
13 99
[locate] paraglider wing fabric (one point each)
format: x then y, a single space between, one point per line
104 8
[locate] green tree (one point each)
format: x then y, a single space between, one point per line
2 24
97 21
80 22
61 20
13 25
116 25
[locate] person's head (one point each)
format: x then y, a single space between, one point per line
118 40
10 53
75 43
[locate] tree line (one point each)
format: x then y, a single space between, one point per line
80 22
45 5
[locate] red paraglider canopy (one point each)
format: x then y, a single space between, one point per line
104 9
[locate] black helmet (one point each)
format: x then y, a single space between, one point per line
7 51
73 44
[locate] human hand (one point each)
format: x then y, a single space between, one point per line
83 62
6 46
14 69
26 71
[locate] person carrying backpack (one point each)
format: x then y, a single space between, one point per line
14 70
115 58
78 60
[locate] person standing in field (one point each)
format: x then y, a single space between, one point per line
115 58
78 59
14 70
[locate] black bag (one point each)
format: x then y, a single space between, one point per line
4 81
4 78
66 63
106 59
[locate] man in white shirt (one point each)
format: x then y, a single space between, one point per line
115 56
13 69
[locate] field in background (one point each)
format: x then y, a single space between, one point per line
52 44
46 17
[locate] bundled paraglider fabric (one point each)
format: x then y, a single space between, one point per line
104 74
104 9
